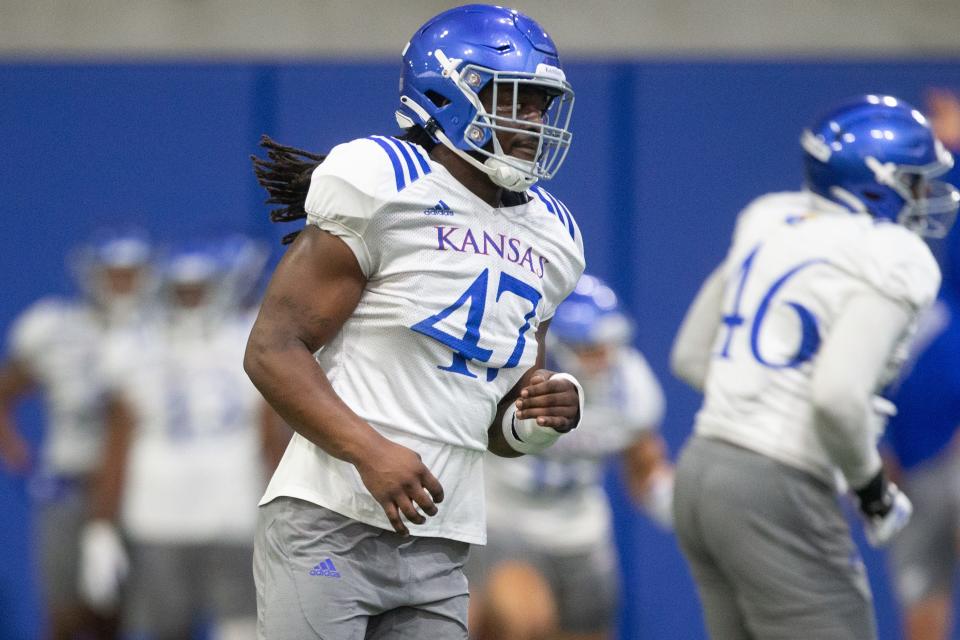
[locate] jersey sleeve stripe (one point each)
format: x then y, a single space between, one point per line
547 203
557 208
567 215
394 160
419 155
405 152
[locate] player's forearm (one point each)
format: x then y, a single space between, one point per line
297 388
109 478
274 436
15 383
847 372
690 355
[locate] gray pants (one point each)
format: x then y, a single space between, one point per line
924 554
324 576
175 587
584 584
769 548
60 519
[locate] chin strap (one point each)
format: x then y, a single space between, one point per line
500 173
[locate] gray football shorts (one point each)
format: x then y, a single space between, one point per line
769 548
923 556
174 588
62 510
584 584
322 575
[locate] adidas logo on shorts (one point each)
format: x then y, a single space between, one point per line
325 569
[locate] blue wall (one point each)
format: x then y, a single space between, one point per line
665 154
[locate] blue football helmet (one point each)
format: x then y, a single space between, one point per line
591 316
191 266
191 277
127 250
463 51
877 154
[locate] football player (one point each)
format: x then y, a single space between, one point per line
189 445
922 437
790 339
401 335
549 568
53 348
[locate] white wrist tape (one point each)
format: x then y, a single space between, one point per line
103 565
526 436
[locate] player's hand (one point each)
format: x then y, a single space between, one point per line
103 565
657 499
885 510
552 402
398 480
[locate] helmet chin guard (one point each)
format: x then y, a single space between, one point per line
508 176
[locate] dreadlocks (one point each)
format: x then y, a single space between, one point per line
285 174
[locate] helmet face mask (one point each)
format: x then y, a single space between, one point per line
878 155
929 206
478 49
190 276
549 131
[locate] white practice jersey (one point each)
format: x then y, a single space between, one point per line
444 329
194 468
58 342
555 500
788 274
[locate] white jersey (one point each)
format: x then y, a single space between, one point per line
788 274
444 329
194 469
58 342
560 491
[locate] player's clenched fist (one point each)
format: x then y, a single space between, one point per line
553 400
400 482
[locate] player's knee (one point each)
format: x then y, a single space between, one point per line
519 603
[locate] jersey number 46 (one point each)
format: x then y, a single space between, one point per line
735 318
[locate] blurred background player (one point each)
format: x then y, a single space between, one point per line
922 450
189 445
549 569
790 339
402 334
54 346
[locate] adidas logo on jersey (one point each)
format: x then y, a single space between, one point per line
442 209
325 569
